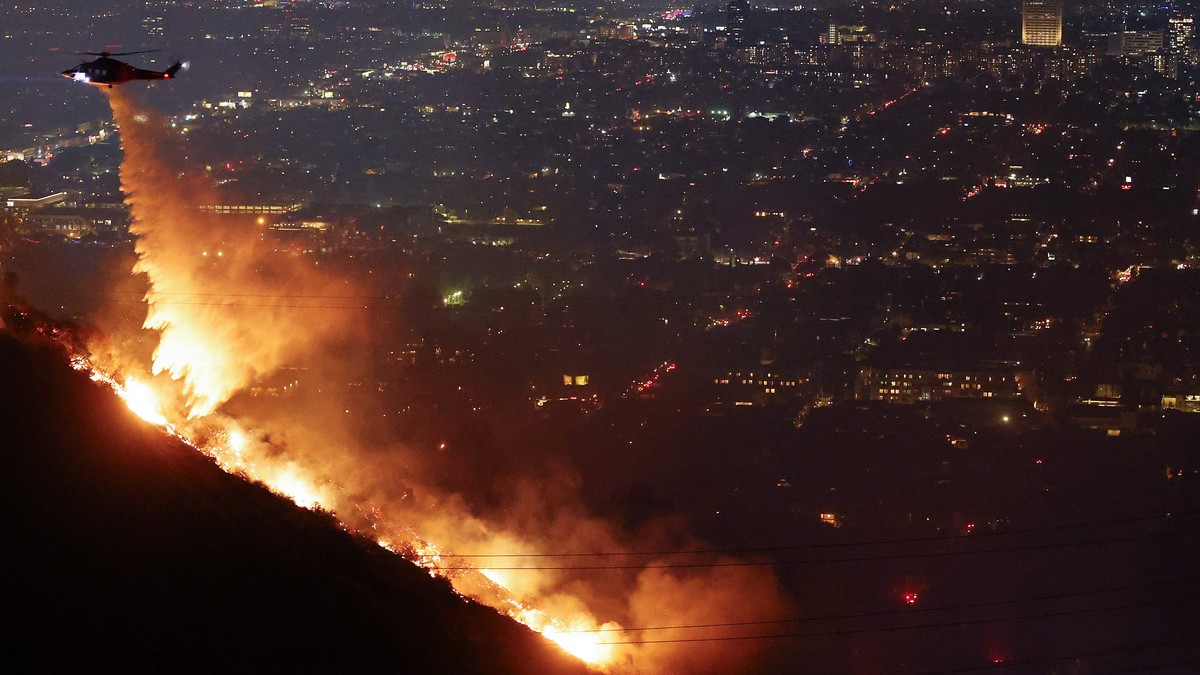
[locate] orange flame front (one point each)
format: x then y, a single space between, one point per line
578 635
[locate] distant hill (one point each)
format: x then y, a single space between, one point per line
124 548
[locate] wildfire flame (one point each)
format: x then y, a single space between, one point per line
586 647
212 348
578 636
295 488
141 400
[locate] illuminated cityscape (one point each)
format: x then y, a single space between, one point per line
717 337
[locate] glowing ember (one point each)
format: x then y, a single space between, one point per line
237 441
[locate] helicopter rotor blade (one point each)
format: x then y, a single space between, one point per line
143 51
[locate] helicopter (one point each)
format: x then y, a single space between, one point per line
108 72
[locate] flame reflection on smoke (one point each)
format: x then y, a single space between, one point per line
578 636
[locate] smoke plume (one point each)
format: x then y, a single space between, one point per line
230 311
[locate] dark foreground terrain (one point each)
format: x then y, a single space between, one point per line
124 547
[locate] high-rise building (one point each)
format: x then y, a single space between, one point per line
1041 23
838 34
738 18
1180 31
1135 42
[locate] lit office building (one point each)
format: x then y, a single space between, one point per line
738 17
1179 37
1041 23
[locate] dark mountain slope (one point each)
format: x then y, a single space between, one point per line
124 547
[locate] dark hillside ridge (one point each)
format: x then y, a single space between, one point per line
124 547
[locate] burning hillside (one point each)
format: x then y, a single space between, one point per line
127 546
226 311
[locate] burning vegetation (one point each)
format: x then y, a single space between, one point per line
225 311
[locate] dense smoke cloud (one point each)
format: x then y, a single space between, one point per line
230 310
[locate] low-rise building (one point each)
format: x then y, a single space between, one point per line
759 386
916 384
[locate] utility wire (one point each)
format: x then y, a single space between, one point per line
907 611
769 563
890 629
829 545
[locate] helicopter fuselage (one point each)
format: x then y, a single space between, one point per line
107 71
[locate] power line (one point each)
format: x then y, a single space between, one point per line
770 563
828 545
908 611
890 629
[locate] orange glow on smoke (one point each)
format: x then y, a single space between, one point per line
225 323
579 635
